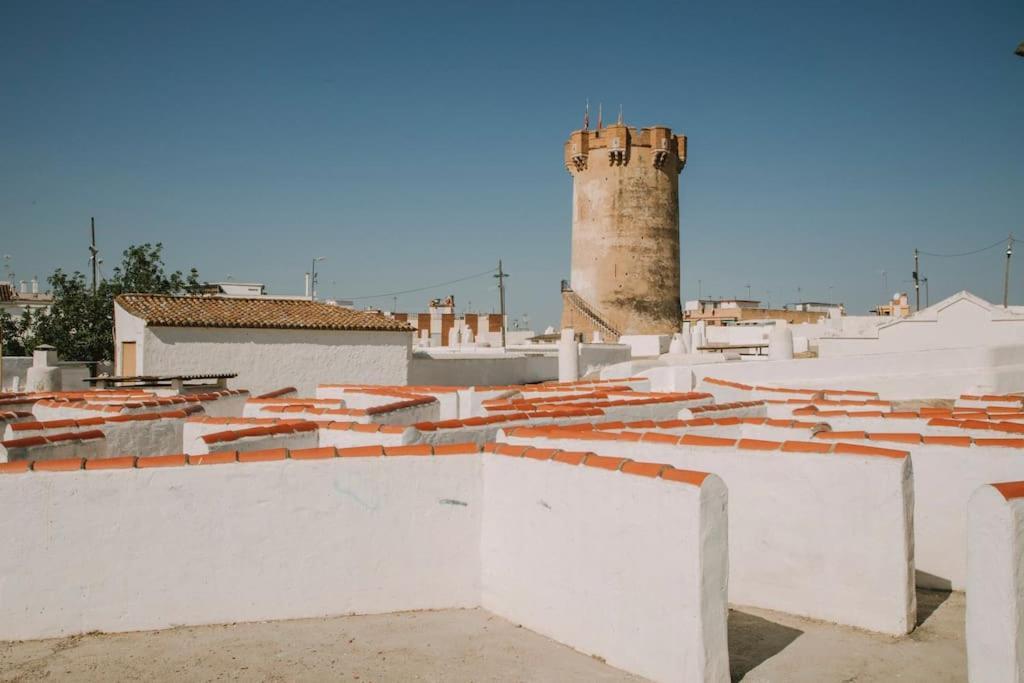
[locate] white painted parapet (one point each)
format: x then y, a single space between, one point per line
719 410
995 584
87 444
279 534
282 435
817 529
646 345
226 541
649 598
947 470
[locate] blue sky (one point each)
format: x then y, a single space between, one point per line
416 143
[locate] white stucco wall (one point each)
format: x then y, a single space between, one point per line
920 374
268 359
995 586
564 567
821 535
944 479
646 345
480 369
224 543
961 321
243 542
16 367
89 444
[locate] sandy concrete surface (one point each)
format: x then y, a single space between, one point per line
771 647
448 645
473 645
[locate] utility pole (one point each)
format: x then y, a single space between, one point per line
501 297
92 253
312 278
1006 272
917 282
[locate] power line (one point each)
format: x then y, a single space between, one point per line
423 289
967 253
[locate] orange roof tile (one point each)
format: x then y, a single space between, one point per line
199 311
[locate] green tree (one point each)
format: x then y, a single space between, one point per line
80 324
17 335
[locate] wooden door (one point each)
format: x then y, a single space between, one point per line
128 359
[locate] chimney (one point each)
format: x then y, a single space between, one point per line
35 284
23 287
308 294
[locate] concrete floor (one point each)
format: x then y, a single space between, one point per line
473 645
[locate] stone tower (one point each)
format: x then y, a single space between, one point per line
625 231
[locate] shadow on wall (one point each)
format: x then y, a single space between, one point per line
753 640
927 602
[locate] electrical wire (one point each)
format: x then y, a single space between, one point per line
423 289
967 253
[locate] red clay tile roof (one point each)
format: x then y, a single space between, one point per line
200 311
6 292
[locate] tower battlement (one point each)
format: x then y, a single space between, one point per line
612 146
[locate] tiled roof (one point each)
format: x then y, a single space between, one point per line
6 292
200 311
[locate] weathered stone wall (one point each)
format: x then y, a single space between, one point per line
625 229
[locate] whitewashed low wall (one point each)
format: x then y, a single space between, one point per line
221 541
228 405
933 373
719 410
143 437
823 535
353 435
244 542
257 407
995 584
593 357
196 427
646 345
649 597
125 434
300 435
468 369
944 479
471 400
88 444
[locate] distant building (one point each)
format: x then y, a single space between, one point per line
270 343
743 311
819 307
254 290
249 289
26 297
442 326
899 306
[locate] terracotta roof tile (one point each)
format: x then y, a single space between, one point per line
199 311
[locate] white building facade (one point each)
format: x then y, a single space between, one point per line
269 343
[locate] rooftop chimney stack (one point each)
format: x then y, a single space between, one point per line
35 284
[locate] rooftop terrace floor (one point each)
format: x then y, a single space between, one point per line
474 645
